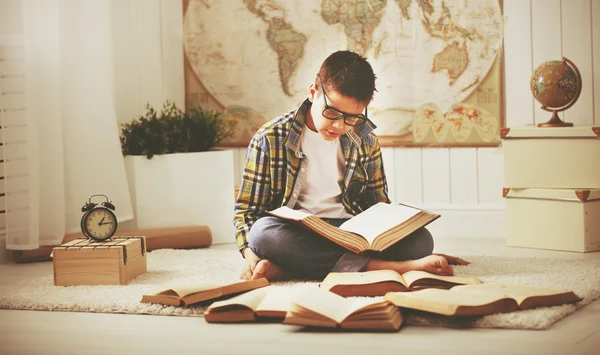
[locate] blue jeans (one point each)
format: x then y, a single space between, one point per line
302 253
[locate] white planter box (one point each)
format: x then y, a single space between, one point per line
555 157
559 219
186 189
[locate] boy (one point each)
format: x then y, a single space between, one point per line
322 158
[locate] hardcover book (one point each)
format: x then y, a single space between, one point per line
483 299
262 304
319 308
377 228
380 282
185 295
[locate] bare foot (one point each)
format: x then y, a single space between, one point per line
453 260
265 268
435 264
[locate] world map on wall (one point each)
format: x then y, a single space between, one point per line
255 60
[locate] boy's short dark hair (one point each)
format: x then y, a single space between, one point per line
349 74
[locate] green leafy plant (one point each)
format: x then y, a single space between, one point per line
174 131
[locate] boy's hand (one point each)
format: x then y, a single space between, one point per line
250 263
453 260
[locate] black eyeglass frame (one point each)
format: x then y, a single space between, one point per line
360 119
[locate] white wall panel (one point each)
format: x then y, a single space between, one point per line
577 46
436 176
490 176
595 15
463 176
387 155
408 175
546 42
518 62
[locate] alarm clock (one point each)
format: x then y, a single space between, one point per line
98 221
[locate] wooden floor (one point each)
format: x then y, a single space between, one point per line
34 332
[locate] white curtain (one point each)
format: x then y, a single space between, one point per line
61 138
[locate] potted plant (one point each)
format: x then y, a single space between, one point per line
176 175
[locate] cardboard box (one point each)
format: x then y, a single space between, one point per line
551 157
557 219
85 262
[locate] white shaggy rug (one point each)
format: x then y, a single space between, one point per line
219 265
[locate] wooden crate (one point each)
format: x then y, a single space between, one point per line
556 219
551 158
85 262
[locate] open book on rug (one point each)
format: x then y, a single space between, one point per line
319 308
482 299
377 228
263 304
380 282
185 295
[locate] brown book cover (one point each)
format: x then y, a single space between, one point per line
377 228
185 295
263 304
482 299
319 308
380 282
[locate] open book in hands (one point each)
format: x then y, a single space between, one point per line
380 282
377 228
266 303
319 308
184 295
483 299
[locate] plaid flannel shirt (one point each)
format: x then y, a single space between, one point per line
273 159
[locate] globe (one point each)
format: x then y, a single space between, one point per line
556 84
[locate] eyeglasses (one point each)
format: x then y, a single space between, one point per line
333 114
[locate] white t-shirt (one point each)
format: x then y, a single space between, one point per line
321 189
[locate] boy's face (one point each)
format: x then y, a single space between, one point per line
330 129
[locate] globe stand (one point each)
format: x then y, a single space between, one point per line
555 121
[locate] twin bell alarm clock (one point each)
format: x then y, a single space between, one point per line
98 222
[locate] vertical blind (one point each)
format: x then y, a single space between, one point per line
15 215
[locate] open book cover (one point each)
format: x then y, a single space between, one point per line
185 295
377 228
483 299
380 282
319 308
263 304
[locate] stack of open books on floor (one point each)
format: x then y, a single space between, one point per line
372 300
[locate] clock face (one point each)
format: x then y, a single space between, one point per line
100 223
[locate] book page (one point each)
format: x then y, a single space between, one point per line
378 219
442 301
411 277
360 278
183 290
288 213
229 289
517 292
324 303
276 300
250 299
364 304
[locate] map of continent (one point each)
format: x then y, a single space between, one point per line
262 55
